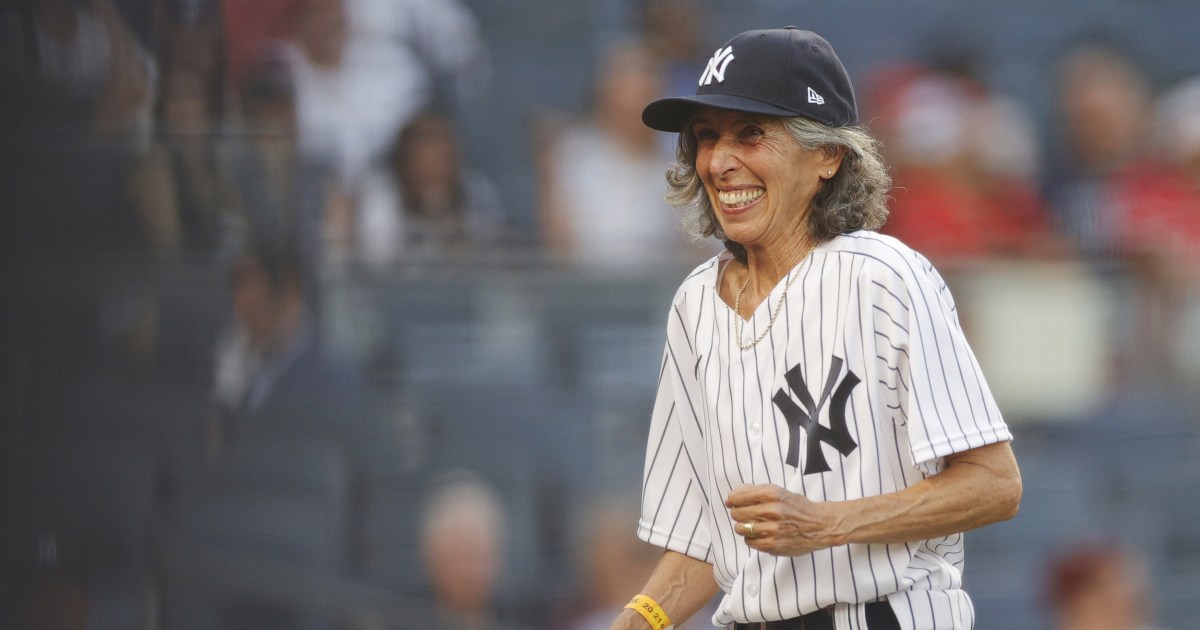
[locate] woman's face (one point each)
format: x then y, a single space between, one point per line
759 180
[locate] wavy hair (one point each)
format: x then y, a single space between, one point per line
855 198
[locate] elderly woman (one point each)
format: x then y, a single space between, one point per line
822 434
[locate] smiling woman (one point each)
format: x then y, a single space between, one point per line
822 434
853 198
759 180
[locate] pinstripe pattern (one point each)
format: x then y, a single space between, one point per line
884 312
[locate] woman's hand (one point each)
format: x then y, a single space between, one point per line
781 523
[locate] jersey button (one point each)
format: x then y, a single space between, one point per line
755 429
752 590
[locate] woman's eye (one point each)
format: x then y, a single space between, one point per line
752 132
706 135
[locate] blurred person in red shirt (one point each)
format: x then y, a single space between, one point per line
1164 198
1160 238
1098 586
1103 100
251 29
963 177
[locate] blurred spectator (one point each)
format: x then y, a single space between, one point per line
964 161
1164 204
251 30
1098 586
462 540
178 185
192 38
75 62
612 563
1107 192
671 29
1104 101
435 41
76 94
426 202
279 190
364 68
880 104
1161 238
275 480
603 178
271 377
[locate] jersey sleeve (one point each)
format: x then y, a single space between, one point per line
948 405
675 512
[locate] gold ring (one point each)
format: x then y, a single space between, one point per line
750 530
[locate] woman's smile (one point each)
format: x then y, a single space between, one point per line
737 201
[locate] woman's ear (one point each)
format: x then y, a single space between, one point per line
832 156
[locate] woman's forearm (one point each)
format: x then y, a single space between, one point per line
680 584
977 488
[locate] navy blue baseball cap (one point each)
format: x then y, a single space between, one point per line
778 72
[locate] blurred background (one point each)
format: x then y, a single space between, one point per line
348 313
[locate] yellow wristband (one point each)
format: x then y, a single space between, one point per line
653 613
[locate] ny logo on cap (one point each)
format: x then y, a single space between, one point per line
716 66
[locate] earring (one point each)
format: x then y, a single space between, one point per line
830 173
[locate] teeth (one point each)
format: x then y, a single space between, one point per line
737 198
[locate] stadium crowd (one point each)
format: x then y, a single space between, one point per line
324 313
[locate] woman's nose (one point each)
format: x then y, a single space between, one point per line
723 159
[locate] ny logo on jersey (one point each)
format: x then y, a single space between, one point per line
717 65
807 416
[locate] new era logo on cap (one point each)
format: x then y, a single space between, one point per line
813 97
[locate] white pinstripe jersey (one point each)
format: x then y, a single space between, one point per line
870 336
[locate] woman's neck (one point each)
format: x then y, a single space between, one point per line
766 266
748 286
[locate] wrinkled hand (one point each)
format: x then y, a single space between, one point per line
779 522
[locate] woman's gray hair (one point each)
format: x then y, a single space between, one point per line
855 198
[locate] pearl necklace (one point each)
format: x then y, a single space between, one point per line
737 304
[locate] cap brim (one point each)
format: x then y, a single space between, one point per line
672 114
